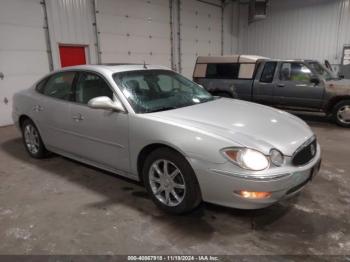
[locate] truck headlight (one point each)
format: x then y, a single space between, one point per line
276 157
247 158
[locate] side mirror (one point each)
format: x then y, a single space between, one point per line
104 102
315 80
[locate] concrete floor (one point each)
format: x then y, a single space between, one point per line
58 206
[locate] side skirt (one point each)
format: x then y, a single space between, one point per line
93 163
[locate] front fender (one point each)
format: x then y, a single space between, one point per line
191 142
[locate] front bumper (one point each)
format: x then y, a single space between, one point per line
219 186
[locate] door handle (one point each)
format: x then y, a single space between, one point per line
281 85
38 108
2 75
78 118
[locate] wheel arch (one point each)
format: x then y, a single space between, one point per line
22 118
334 101
146 150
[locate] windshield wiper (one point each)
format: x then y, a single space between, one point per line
162 109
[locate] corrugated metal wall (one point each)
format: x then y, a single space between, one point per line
298 29
134 31
71 22
231 27
200 30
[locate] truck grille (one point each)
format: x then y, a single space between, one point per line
305 153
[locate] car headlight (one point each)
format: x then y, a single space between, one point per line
276 157
247 158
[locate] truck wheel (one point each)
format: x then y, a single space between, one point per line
341 113
224 94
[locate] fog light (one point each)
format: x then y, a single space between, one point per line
253 195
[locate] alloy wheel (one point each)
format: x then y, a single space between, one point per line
343 114
167 182
32 140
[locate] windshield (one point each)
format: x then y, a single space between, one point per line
158 90
323 71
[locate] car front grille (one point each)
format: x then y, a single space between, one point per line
305 153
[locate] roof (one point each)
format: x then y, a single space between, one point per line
230 59
113 68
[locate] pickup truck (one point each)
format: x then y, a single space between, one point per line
304 85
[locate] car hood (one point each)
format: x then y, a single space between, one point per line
244 123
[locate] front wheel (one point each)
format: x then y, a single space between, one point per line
341 113
171 182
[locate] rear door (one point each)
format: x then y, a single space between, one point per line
101 136
265 83
294 87
52 110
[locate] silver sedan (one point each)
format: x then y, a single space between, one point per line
153 125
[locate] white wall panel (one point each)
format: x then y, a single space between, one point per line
231 27
298 29
200 32
23 51
71 22
134 31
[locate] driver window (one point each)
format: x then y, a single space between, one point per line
90 86
297 72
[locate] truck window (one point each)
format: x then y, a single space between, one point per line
295 72
222 71
268 72
246 71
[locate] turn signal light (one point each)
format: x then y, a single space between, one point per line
254 195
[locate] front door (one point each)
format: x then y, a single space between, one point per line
101 136
294 87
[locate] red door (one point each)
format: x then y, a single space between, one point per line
72 55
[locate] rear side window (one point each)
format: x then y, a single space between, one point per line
60 86
41 85
222 71
268 72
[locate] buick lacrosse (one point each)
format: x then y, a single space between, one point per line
153 125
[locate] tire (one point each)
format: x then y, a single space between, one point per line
339 111
224 94
32 140
184 182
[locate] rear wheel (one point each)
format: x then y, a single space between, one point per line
171 182
32 140
341 113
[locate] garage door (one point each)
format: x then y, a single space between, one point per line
134 31
200 32
23 55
